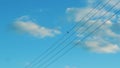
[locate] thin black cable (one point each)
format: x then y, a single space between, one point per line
57 47
47 50
59 39
61 43
83 32
79 42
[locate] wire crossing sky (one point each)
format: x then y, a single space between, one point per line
87 35
49 52
68 37
30 27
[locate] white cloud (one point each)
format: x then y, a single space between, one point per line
70 67
105 40
112 3
78 13
24 24
104 47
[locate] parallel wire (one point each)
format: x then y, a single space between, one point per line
72 33
80 41
67 46
47 50
51 47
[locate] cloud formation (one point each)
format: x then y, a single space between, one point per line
106 39
113 2
26 25
70 67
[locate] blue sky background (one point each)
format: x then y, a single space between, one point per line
17 50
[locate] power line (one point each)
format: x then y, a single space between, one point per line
65 40
87 29
54 48
59 40
79 42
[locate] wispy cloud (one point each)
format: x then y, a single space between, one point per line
77 14
26 25
69 66
102 46
113 2
105 40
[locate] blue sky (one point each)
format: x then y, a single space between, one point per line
29 27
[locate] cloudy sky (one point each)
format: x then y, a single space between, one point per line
29 27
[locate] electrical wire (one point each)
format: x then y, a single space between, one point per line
47 50
79 42
64 48
61 42
101 24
